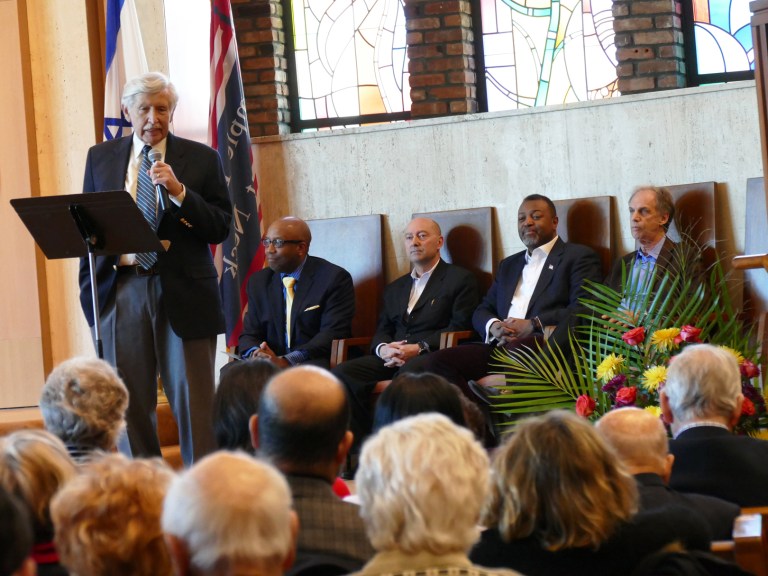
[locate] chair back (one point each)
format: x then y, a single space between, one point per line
589 221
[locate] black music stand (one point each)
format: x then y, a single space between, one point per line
79 225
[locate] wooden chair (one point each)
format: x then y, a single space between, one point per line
355 244
696 215
590 221
468 235
749 547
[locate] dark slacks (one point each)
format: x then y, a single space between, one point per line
359 377
140 343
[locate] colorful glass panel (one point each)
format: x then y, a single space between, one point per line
723 36
540 52
350 57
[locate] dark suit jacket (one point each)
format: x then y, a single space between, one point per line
555 298
323 306
718 514
445 305
663 262
711 460
187 275
646 533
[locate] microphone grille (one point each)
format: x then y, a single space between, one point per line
155 155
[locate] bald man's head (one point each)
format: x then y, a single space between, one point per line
638 438
303 417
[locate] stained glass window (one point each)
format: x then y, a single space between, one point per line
722 38
350 62
540 52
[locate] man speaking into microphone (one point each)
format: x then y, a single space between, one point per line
161 312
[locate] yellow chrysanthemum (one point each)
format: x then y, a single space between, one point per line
653 377
664 339
655 410
736 354
609 367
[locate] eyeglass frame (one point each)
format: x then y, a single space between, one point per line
278 242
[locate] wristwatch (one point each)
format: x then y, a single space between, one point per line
423 348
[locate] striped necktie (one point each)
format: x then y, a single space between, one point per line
145 199
288 282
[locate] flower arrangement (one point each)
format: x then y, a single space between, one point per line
619 354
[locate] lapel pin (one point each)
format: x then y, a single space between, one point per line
551 267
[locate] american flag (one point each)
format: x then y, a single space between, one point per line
125 59
241 254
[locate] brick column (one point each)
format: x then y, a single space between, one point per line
649 45
261 47
441 57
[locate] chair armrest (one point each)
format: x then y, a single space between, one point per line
340 348
451 339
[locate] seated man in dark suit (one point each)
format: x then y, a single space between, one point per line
702 402
319 297
435 297
640 441
533 289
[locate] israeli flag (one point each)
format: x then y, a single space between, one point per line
125 59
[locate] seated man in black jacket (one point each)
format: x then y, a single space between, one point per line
640 441
434 297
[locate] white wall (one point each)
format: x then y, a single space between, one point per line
602 148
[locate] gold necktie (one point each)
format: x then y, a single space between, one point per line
288 282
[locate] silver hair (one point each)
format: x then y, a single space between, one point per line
409 473
230 507
703 381
149 83
84 402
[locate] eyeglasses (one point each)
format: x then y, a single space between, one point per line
278 242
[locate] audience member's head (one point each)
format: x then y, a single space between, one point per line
84 402
555 478
230 514
34 464
237 399
303 422
107 518
639 440
15 537
413 393
703 384
408 473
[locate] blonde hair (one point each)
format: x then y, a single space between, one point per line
107 519
422 482
556 479
34 464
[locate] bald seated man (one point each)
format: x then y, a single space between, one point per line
210 532
640 441
302 427
299 304
434 297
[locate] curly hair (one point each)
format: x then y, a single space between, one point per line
556 479
107 518
84 402
34 464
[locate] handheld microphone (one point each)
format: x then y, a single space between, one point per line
163 202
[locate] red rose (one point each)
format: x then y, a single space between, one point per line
749 369
626 396
688 333
747 408
634 337
585 406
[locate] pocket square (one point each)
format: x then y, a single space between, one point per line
312 308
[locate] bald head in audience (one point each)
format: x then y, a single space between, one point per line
303 422
230 514
639 439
